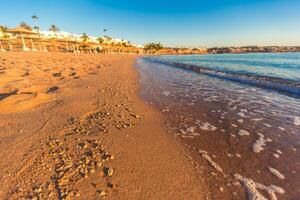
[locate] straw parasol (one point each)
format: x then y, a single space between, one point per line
67 41
21 31
31 38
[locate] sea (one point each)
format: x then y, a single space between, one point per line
237 116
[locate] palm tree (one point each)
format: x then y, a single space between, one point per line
36 27
100 40
3 30
84 37
54 29
35 18
26 26
104 31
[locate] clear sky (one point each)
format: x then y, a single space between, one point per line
191 23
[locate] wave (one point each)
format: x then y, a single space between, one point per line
289 87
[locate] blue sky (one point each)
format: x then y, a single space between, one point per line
191 23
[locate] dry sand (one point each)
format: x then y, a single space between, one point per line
73 127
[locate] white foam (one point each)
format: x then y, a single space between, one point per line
234 125
210 161
297 121
278 151
243 132
165 110
166 93
229 155
233 108
206 126
267 125
252 189
188 136
259 143
201 151
240 121
190 132
257 119
276 173
191 129
281 128
182 132
241 114
276 155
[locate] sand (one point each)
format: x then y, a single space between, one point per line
74 127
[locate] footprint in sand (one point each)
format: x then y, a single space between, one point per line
58 74
8 94
53 89
72 74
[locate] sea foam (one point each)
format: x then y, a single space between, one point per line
276 173
258 145
243 132
252 189
205 126
297 121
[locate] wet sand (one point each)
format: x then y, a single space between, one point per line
244 138
74 127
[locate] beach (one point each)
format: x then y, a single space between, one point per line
74 127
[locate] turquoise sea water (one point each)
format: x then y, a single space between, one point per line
278 65
277 71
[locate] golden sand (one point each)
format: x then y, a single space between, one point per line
73 127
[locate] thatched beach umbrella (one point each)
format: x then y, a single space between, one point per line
67 41
22 31
32 37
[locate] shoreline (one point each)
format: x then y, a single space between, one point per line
51 149
228 130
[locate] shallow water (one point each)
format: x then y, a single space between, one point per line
279 65
234 132
280 72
